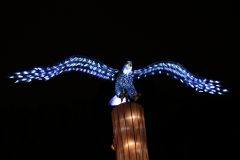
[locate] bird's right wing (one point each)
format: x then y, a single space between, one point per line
75 63
178 72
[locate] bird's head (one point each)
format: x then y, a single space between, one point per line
127 68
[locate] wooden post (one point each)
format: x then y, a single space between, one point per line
130 141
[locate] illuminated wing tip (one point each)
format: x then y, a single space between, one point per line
208 86
28 76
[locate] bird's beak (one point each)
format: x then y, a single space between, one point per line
129 64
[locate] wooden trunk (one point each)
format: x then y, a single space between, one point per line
130 141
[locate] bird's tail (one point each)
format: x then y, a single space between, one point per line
116 101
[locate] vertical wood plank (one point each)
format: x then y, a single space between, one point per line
123 128
130 132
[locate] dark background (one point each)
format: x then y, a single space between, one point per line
68 116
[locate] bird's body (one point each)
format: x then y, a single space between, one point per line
124 82
124 87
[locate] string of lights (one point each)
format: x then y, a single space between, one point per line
124 79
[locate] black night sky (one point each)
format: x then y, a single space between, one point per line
68 117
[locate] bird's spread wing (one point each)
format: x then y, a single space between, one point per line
75 63
178 72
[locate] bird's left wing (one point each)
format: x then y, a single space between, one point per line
75 63
177 71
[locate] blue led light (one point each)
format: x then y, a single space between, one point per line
123 79
178 72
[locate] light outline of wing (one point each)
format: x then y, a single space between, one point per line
177 71
73 63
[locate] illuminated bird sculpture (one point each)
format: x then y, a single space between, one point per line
124 78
